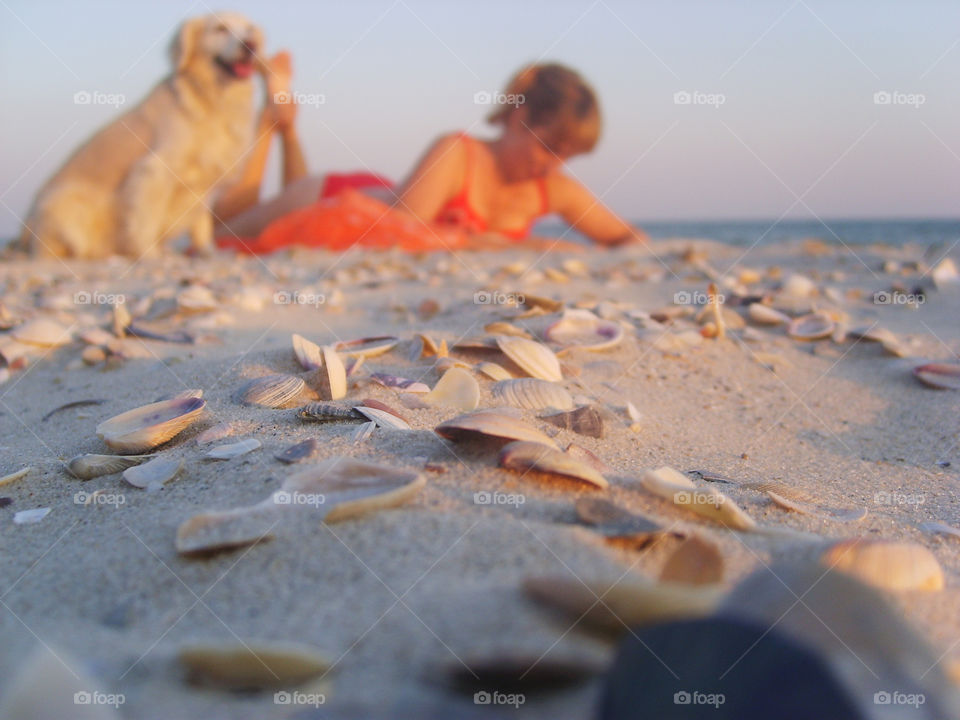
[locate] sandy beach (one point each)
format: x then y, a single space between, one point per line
402 599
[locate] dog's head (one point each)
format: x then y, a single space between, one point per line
226 42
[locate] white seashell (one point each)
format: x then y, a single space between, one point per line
837 514
945 274
363 432
399 383
766 315
583 329
226 529
886 564
367 347
383 418
14 476
232 450
28 517
456 389
814 326
43 332
524 456
196 299
308 353
532 394
273 391
534 358
154 474
493 371
332 375
253 665
676 487
942 376
218 432
90 466
799 286
144 428
491 424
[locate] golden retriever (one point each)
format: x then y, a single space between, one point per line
149 175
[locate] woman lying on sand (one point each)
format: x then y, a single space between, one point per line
463 193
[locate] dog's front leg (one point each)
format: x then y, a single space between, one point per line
143 207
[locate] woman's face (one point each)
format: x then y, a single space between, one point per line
525 155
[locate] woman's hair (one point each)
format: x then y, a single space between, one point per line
560 107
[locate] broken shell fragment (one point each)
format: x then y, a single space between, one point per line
490 424
300 451
677 488
524 456
223 530
232 450
942 376
367 347
383 418
89 466
14 476
273 391
584 330
584 420
457 388
43 332
534 358
253 665
144 428
154 474
814 326
837 514
494 371
696 561
766 315
532 394
886 564
308 353
399 383
218 432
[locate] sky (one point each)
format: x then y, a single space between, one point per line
783 118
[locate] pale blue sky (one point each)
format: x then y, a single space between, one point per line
798 77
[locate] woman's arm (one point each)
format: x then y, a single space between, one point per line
246 192
578 207
434 180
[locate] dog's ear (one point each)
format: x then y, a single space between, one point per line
184 43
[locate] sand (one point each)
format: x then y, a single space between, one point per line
400 598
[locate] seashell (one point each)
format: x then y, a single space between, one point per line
196 299
532 394
144 428
838 514
505 328
367 347
474 343
328 412
945 274
308 353
29 517
273 391
542 303
383 418
363 432
43 332
332 376
145 332
798 286
457 389
584 330
708 502
253 665
154 474
535 359
494 371
524 456
942 376
939 528
766 315
584 420
490 424
227 529
886 564
581 453
232 450
872 333
611 520
399 383
299 452
93 355
353 365
371 403
814 326
623 603
218 432
95 336
14 476
696 561
89 466
121 319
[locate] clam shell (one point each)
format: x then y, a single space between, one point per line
154 474
584 420
383 418
814 326
367 347
524 456
328 412
89 466
611 520
942 376
399 383
332 376
218 432
886 564
308 353
273 391
232 450
490 424
837 514
300 451
457 388
505 328
766 315
676 487
494 371
363 432
376 404
253 665
222 530
532 394
696 561
144 428
536 359
43 332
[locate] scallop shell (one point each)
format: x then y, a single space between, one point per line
584 420
536 359
524 456
308 353
766 315
367 347
154 474
332 376
814 326
886 564
532 394
273 391
490 424
43 332
328 412
253 665
494 371
89 466
676 487
942 376
232 450
144 428
457 388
